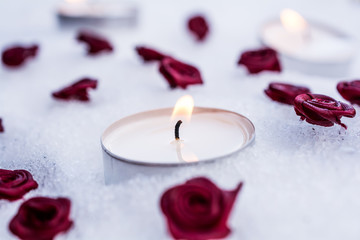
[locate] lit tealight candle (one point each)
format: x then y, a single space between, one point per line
158 141
294 37
84 10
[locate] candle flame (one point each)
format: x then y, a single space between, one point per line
183 108
293 21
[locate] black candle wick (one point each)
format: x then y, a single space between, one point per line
177 126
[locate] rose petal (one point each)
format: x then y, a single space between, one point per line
95 43
350 91
1 126
198 26
198 209
16 55
322 110
15 184
149 54
284 93
77 90
179 74
260 60
41 218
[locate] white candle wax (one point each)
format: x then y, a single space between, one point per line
148 137
319 44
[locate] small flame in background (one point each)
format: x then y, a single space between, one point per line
183 108
293 21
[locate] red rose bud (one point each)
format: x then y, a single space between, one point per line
1 126
77 91
198 209
322 110
179 74
350 91
284 93
199 27
148 54
17 55
41 218
260 60
15 184
95 43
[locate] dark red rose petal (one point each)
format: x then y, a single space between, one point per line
322 110
179 74
17 55
148 54
95 43
284 93
77 90
350 91
41 218
260 60
198 209
199 27
15 184
1 126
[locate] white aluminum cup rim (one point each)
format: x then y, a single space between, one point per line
149 164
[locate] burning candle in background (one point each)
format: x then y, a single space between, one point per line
97 11
308 42
167 138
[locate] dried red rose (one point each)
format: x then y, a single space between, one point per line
198 209
95 43
148 54
284 93
41 218
350 91
199 27
15 56
1 126
15 184
179 74
322 110
260 60
77 90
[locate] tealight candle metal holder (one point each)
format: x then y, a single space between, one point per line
144 143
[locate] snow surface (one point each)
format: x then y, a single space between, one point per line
301 181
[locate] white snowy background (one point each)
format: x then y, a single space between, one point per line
301 181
